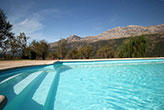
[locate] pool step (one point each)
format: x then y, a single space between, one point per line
50 100
23 99
25 82
6 87
42 92
9 78
16 78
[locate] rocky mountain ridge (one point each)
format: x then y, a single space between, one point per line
73 38
118 32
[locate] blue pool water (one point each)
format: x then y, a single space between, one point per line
96 85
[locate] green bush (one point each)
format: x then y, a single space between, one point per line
105 52
72 54
134 47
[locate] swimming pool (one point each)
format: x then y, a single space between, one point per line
86 85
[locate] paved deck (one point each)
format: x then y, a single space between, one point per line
22 63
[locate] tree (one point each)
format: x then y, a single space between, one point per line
30 53
61 48
22 43
5 32
53 55
72 54
85 52
5 47
134 47
105 52
18 45
14 46
40 48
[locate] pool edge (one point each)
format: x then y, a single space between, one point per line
50 62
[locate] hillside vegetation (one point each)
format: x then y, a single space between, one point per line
152 43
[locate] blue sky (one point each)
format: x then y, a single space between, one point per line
55 19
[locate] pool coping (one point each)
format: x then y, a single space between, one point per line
7 65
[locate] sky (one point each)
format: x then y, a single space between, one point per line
53 20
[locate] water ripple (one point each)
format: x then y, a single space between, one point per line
112 87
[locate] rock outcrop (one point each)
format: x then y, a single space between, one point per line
3 101
73 38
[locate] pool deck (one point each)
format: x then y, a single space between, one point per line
4 65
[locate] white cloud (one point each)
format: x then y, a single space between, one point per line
42 36
26 18
29 26
32 23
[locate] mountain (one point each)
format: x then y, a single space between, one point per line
131 30
73 38
115 33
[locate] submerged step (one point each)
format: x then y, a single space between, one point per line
9 78
6 87
25 82
42 92
49 104
23 100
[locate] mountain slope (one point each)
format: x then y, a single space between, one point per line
115 33
156 44
116 36
131 30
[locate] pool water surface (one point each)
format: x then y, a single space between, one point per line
84 85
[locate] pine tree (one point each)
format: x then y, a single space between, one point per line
5 33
